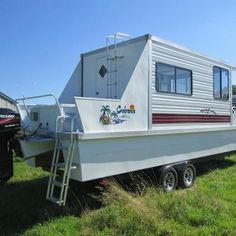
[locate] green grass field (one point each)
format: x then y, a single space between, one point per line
208 208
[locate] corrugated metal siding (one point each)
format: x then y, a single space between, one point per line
202 96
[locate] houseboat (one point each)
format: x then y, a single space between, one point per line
134 104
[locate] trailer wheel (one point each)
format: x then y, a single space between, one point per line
168 179
187 176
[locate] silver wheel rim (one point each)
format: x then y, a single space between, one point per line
188 176
169 181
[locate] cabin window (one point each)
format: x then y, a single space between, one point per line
221 83
173 79
34 116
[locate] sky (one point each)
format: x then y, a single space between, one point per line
41 41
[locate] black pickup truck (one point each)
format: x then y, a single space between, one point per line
9 126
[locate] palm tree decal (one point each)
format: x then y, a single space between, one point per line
105 118
108 116
106 110
114 115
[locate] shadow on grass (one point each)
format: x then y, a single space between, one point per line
23 204
213 163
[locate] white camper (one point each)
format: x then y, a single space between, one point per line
137 104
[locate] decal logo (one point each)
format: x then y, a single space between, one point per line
207 111
6 116
120 115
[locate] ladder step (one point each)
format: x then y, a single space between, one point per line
63 164
62 147
114 58
57 183
60 164
55 200
110 71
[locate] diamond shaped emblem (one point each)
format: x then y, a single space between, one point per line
103 71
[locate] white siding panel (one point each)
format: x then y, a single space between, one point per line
202 71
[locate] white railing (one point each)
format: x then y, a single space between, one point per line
21 101
36 97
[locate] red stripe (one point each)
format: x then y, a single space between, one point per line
158 118
8 121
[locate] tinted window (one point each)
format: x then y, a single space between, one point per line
217 89
172 79
221 83
183 81
166 78
225 84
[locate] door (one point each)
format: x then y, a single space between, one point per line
101 77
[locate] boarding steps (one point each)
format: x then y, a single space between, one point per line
58 195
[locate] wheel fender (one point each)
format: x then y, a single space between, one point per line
177 166
163 168
181 166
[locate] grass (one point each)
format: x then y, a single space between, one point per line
208 208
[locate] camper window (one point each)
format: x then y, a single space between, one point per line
172 79
221 83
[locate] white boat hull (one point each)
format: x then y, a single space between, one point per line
97 158
33 146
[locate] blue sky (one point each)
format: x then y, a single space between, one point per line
41 41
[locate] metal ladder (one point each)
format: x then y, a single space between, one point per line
61 182
112 62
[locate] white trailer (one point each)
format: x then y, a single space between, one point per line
137 104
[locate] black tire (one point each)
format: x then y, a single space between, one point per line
187 176
168 179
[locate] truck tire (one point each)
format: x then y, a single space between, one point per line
187 176
168 179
